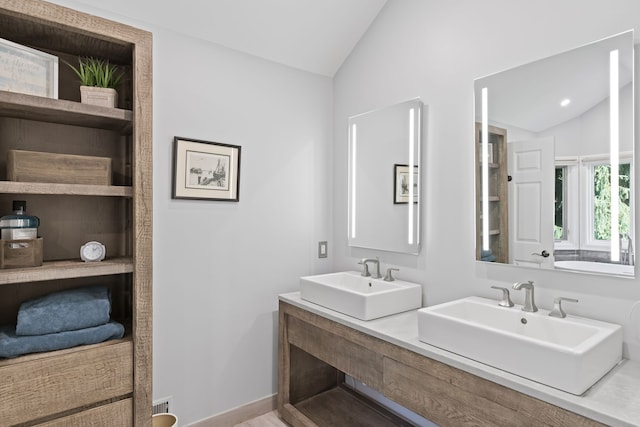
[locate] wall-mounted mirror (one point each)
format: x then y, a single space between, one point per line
554 161
384 178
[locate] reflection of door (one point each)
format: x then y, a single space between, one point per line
531 193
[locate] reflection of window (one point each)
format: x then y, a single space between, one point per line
600 202
595 204
582 208
567 204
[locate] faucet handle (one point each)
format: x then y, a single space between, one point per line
365 268
557 307
506 299
389 277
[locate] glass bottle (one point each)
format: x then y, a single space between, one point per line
19 225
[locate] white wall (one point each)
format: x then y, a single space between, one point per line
220 266
434 49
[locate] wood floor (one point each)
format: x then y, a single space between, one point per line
267 420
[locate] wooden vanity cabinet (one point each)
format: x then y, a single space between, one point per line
105 384
315 353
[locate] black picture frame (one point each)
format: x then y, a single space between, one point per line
400 184
205 170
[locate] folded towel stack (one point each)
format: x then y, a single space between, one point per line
487 255
61 320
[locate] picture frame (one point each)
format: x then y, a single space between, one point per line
401 184
28 71
205 170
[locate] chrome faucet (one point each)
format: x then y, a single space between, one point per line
365 267
529 303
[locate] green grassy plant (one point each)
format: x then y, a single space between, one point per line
97 72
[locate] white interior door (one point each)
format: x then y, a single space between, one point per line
531 195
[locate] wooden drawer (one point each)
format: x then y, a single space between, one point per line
450 397
37 386
118 414
353 359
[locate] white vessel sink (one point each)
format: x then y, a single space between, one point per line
570 354
360 297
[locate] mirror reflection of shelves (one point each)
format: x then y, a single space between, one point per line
497 195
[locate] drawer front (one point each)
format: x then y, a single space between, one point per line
430 397
450 397
70 379
118 414
353 359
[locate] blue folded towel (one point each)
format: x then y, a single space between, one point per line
486 255
12 345
64 311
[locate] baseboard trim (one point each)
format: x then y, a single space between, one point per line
240 414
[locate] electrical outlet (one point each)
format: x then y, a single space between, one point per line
322 249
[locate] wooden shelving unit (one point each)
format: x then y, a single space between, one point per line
108 383
498 194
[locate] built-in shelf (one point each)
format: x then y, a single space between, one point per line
492 232
43 109
66 269
492 198
11 187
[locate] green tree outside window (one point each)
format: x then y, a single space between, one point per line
602 200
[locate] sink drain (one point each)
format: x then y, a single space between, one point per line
523 321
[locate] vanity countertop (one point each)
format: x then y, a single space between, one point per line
614 400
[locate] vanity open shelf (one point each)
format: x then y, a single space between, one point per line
347 408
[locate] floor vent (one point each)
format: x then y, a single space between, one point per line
161 406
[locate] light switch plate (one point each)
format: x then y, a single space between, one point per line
322 249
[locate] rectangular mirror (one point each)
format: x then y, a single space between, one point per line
554 141
384 178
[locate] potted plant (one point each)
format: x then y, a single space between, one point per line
98 80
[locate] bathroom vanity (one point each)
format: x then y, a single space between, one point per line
318 347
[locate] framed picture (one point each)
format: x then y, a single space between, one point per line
204 170
28 71
401 184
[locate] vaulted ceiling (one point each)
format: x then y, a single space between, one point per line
312 35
